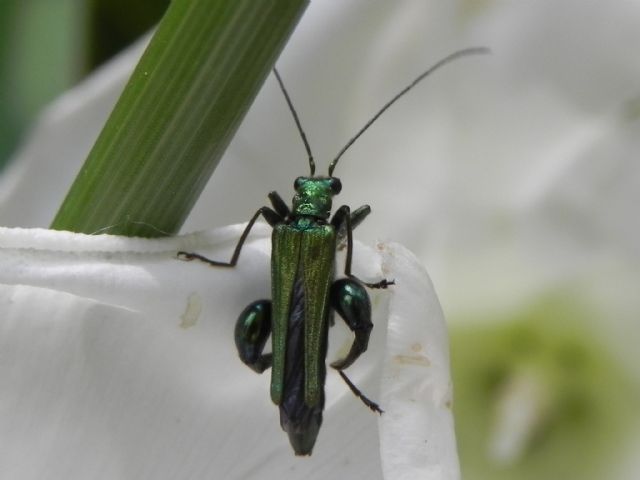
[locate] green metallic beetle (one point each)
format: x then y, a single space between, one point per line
304 292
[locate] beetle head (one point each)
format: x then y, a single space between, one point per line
314 194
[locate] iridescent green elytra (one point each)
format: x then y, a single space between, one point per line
304 292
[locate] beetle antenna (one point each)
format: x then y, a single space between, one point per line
419 78
312 164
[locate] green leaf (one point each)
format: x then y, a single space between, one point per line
176 116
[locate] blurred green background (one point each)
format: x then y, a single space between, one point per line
46 46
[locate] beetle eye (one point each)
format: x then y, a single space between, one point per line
336 185
298 183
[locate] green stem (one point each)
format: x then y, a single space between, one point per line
176 116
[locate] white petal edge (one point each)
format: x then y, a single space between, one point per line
416 430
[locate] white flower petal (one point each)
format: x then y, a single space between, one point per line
417 436
119 363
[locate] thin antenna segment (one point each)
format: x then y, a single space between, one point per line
312 164
422 76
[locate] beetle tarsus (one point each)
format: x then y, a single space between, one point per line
188 256
373 406
384 283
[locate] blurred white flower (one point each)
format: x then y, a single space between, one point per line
514 177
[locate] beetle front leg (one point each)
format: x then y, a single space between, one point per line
253 328
350 299
279 205
272 218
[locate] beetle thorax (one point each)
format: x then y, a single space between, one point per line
314 196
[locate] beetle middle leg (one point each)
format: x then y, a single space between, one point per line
344 222
356 218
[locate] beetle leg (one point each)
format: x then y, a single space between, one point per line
357 217
251 333
269 215
279 205
356 391
342 222
350 299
